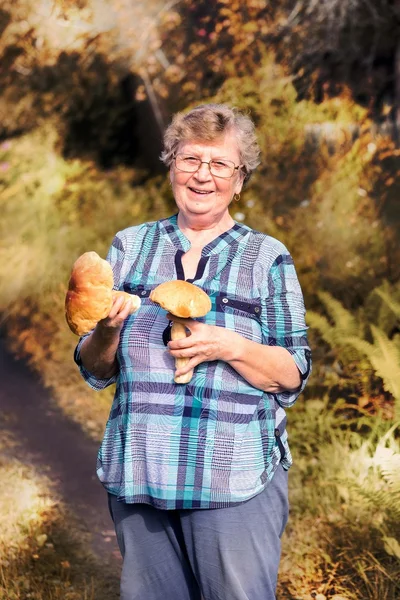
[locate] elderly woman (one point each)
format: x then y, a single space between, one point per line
196 474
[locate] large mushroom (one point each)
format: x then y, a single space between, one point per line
90 293
185 300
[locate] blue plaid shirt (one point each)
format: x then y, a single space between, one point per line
216 441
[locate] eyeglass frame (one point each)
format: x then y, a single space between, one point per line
207 162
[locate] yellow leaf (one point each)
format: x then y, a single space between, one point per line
41 539
392 546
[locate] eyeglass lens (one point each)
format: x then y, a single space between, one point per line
191 164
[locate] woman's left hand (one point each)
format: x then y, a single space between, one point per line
205 343
268 368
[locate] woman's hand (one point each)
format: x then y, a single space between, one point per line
98 351
205 343
114 321
268 368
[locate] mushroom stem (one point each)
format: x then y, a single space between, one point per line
178 332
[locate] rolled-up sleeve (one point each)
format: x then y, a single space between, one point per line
96 383
115 257
284 321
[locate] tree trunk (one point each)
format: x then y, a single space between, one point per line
397 90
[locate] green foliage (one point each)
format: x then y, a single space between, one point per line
345 499
385 465
345 323
392 304
343 235
54 209
384 355
336 329
351 338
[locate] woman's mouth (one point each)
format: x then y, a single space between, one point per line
200 192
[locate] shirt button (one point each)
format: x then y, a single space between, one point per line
256 310
143 293
225 300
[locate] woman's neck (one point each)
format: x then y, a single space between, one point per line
201 230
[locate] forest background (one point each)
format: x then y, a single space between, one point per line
86 90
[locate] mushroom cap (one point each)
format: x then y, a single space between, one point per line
181 298
89 295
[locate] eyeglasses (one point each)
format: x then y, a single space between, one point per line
219 168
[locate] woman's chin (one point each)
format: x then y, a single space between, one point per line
197 208
200 208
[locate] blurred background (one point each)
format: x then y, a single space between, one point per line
87 88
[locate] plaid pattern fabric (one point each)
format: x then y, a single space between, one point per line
213 442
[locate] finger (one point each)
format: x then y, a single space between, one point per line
118 303
193 362
186 342
182 352
118 313
125 310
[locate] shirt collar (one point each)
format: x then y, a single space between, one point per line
169 227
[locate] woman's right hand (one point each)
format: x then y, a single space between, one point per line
99 350
120 310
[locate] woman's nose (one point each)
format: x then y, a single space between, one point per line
203 173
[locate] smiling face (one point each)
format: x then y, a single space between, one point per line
201 196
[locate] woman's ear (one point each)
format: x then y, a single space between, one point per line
239 183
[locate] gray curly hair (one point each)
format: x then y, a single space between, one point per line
208 122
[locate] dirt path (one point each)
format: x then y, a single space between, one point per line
58 448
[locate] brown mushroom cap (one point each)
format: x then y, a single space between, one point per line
181 298
89 295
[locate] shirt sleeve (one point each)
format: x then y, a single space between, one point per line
115 257
96 383
284 324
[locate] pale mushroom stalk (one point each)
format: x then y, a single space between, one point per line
178 332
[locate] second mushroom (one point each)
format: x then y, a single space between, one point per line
185 300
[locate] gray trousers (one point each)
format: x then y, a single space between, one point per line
216 554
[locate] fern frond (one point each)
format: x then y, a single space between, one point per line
381 499
386 361
334 338
392 304
389 464
361 348
362 345
345 322
384 356
322 325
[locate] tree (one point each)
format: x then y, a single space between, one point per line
355 43
73 63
